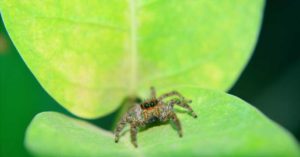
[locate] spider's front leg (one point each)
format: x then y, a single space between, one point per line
184 104
153 92
172 93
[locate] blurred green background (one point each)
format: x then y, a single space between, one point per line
271 81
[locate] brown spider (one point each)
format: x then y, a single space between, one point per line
153 110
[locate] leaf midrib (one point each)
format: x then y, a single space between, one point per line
133 48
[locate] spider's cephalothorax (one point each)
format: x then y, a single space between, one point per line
153 110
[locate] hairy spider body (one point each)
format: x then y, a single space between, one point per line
153 110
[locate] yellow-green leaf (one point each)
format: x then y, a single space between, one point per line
89 55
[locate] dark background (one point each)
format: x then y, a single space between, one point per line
271 81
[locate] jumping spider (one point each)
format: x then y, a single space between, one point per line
153 110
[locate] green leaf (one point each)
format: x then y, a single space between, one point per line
226 126
90 55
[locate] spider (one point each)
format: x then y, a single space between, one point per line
153 110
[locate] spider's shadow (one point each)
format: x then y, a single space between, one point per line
151 125
157 123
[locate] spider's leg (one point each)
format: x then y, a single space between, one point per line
172 93
176 121
120 127
172 103
184 104
133 133
153 92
